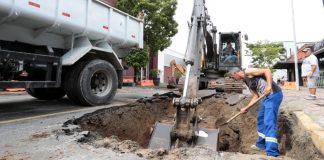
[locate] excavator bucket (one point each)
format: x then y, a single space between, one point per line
210 141
161 137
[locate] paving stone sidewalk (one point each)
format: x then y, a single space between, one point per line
309 114
294 101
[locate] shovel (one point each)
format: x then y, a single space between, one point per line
239 113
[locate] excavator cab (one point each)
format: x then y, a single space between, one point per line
229 55
230 48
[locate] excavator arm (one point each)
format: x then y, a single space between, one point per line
185 129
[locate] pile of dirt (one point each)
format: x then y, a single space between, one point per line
127 129
135 121
294 141
129 122
239 134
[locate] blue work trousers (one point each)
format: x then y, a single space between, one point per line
267 124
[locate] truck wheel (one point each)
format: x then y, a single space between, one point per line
46 93
92 82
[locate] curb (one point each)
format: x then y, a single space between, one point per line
13 93
316 132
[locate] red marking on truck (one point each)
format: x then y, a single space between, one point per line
105 27
34 4
133 36
66 14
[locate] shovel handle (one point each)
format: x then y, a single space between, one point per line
237 114
257 100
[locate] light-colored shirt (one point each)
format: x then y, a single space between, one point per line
312 60
305 69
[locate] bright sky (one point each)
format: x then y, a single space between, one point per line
260 19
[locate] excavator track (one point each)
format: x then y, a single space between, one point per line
231 85
227 85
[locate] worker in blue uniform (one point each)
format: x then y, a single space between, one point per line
259 81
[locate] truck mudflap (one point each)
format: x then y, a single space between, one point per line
161 138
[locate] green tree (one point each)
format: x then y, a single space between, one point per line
137 58
159 25
265 54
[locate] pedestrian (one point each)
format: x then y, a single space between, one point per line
305 68
312 74
259 81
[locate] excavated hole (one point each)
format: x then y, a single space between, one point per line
135 122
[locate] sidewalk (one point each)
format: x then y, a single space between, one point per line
309 113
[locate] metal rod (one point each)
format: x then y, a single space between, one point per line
295 46
185 89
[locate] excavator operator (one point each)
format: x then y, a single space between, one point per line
229 54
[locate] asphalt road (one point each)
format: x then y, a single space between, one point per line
28 126
21 106
31 129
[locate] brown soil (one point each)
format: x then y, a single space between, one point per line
129 122
40 135
135 122
294 141
127 128
236 136
37 136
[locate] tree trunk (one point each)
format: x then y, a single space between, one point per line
153 62
135 75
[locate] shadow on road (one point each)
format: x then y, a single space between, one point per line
25 106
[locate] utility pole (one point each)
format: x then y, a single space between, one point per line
295 46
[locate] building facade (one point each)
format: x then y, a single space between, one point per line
289 64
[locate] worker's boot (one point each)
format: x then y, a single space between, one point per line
274 158
254 147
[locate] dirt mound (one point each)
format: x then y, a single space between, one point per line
294 141
128 122
127 129
239 134
135 121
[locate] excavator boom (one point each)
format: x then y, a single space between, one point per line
185 129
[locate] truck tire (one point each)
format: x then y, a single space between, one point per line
46 93
91 83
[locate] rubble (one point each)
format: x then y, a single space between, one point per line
235 99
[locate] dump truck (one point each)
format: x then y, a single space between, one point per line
57 48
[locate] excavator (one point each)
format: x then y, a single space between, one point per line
179 68
203 65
